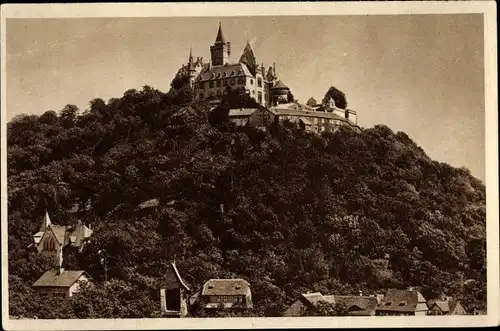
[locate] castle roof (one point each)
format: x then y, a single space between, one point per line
220 37
248 58
225 71
280 86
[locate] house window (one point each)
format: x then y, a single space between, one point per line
251 81
260 96
211 84
259 82
49 244
218 83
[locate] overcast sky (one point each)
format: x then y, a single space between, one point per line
421 74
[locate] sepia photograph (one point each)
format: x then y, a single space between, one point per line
212 165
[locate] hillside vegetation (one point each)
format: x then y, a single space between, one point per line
289 211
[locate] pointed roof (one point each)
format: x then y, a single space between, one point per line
220 37
46 222
280 85
248 58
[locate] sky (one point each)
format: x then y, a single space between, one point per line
421 74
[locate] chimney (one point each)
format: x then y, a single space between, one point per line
360 293
379 298
222 208
90 226
61 270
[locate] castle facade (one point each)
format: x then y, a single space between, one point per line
213 79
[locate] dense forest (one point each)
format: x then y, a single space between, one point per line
287 210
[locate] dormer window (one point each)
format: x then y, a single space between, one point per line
388 303
402 304
210 287
238 287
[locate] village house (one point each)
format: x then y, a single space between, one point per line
174 293
445 306
402 303
61 283
356 305
52 239
234 294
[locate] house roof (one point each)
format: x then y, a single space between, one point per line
52 278
446 306
59 232
235 286
225 71
148 204
235 112
174 267
358 305
401 301
315 297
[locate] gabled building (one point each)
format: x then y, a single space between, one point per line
232 294
52 239
174 293
446 306
356 305
397 302
61 283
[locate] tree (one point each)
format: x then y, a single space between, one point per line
337 96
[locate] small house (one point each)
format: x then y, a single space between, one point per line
60 282
402 303
446 307
52 239
174 293
226 294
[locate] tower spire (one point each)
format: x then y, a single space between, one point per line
220 37
191 54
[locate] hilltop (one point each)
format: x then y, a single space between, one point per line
287 210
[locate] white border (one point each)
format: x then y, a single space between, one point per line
488 8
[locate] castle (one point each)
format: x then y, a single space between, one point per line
211 80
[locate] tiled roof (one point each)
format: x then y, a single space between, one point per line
308 113
401 300
52 278
241 112
148 204
234 286
225 71
315 297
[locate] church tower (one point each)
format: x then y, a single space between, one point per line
220 50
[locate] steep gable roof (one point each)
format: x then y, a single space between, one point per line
173 278
52 278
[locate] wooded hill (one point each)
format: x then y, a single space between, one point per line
287 210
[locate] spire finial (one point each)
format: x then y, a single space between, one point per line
190 54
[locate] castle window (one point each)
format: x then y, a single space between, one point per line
251 81
211 84
201 85
232 81
218 83
260 96
259 82
241 80
226 82
219 93
201 96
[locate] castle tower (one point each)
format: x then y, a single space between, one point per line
220 50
